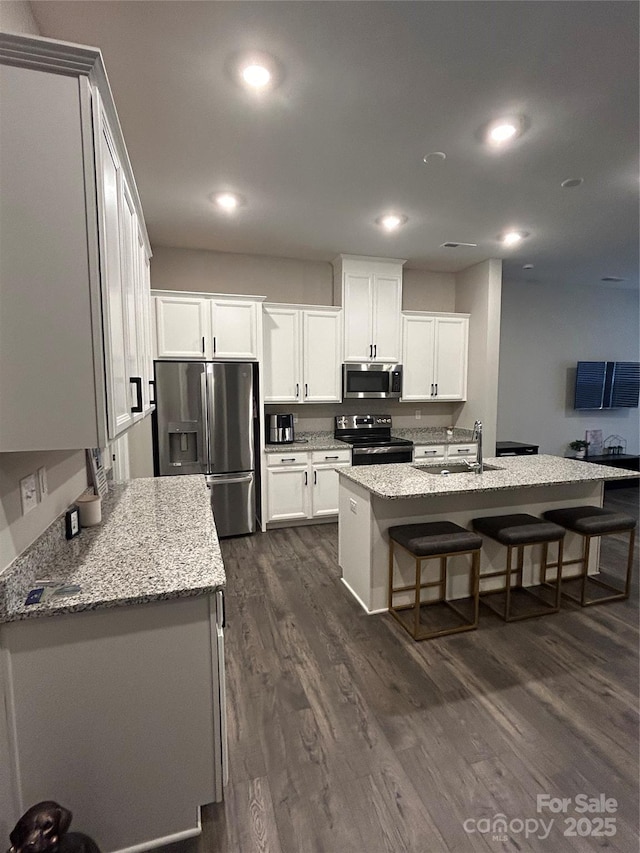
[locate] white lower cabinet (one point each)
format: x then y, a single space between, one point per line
303 485
426 452
443 453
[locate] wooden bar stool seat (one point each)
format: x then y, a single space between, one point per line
590 522
427 541
516 532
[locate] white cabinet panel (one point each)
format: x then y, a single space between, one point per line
182 326
434 356
303 485
450 361
234 324
281 367
115 309
322 356
302 354
417 357
324 493
71 193
287 493
371 291
386 328
207 326
358 334
424 452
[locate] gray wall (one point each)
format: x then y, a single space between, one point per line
545 330
282 279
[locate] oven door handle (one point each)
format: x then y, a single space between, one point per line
366 451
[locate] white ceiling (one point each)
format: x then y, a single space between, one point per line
366 90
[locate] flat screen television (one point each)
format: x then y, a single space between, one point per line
607 385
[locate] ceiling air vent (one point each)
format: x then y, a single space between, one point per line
459 246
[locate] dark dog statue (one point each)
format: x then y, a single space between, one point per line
43 829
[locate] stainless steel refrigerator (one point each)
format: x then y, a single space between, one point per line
206 424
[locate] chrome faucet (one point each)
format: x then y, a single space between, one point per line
478 465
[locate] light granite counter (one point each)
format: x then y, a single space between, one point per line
374 498
157 541
393 482
433 435
322 440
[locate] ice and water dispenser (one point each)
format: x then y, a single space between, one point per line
183 443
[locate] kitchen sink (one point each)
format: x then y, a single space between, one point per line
445 470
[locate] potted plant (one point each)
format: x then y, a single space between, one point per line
580 447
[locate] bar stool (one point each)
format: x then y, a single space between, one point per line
431 540
516 532
590 522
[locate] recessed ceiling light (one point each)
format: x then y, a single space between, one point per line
504 130
511 238
614 278
227 201
392 221
527 267
434 157
255 75
454 245
572 182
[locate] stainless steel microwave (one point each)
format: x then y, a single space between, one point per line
371 381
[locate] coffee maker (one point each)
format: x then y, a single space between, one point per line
279 429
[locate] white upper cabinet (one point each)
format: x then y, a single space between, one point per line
182 326
322 355
434 356
281 364
207 326
302 354
72 363
370 291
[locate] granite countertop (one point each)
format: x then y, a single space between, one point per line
433 435
157 541
310 441
324 440
392 482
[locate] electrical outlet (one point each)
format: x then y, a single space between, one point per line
42 482
28 493
418 414
353 506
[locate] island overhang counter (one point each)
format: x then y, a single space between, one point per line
376 497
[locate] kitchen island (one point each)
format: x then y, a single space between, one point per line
114 694
376 497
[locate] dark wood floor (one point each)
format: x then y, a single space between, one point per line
345 736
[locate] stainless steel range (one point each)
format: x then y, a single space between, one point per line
371 440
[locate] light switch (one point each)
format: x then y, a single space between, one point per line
28 493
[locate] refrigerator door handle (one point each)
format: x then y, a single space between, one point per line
214 479
205 416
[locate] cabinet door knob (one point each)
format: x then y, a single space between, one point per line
306 479
370 350
315 478
436 389
375 350
297 390
203 345
214 346
306 390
